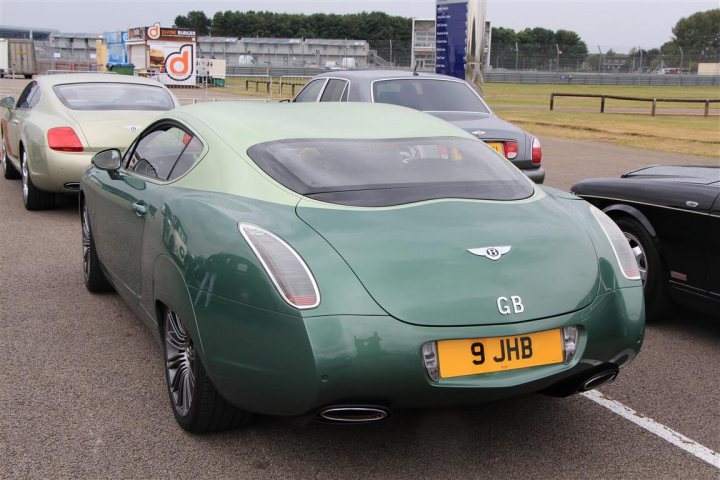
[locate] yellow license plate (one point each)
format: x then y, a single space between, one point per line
497 146
483 355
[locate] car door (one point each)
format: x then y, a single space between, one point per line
18 117
714 250
131 197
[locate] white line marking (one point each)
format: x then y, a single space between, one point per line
667 434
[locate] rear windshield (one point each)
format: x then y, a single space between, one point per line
113 96
428 95
391 172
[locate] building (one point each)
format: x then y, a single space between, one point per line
285 52
7 31
423 45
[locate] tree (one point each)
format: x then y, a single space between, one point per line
194 20
699 33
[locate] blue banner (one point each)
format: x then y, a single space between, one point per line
451 37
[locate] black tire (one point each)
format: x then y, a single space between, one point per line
95 279
197 406
651 267
33 198
8 169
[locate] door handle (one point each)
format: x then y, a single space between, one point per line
139 208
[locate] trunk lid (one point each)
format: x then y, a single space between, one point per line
414 262
116 129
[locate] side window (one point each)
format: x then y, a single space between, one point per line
26 97
334 90
311 91
188 157
161 154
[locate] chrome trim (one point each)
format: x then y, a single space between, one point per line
630 202
491 253
372 414
269 272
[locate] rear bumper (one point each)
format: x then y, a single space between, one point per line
54 171
282 365
537 175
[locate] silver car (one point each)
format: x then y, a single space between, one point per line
446 97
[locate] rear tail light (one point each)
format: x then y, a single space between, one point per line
288 272
64 139
536 151
511 150
619 243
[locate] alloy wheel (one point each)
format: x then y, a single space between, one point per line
179 363
25 177
639 254
84 220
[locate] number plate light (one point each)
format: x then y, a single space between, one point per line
429 353
570 342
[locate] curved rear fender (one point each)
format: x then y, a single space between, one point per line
613 210
170 289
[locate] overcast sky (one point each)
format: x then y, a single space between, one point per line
609 23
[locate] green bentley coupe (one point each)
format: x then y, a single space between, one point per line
342 261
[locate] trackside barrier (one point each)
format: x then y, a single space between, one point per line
654 101
293 81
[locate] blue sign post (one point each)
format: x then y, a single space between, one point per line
451 20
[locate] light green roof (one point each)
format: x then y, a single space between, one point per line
243 124
63 78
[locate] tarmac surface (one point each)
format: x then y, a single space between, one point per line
83 395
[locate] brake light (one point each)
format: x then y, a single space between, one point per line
511 150
536 151
287 270
64 139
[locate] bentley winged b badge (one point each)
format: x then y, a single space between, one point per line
493 253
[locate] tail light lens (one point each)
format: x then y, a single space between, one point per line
511 150
64 139
288 272
536 151
620 245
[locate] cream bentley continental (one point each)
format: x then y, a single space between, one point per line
59 122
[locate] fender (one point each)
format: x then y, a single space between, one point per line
633 212
170 288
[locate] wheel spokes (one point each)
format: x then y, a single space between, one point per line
179 363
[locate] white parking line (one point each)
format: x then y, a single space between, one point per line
667 434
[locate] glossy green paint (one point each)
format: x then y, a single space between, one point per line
284 365
390 279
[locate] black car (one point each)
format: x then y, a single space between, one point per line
449 98
671 217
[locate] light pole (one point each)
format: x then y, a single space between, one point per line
599 59
640 48
682 54
558 56
516 55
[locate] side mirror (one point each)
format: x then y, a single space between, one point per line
110 159
7 102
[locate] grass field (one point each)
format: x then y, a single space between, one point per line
690 134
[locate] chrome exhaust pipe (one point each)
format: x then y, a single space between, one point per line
598 380
72 185
353 414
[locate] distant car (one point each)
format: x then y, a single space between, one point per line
445 97
671 217
340 261
59 121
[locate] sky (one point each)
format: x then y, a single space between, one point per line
616 24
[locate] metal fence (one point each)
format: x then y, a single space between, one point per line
602 79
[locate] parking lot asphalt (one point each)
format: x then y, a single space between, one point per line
83 392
